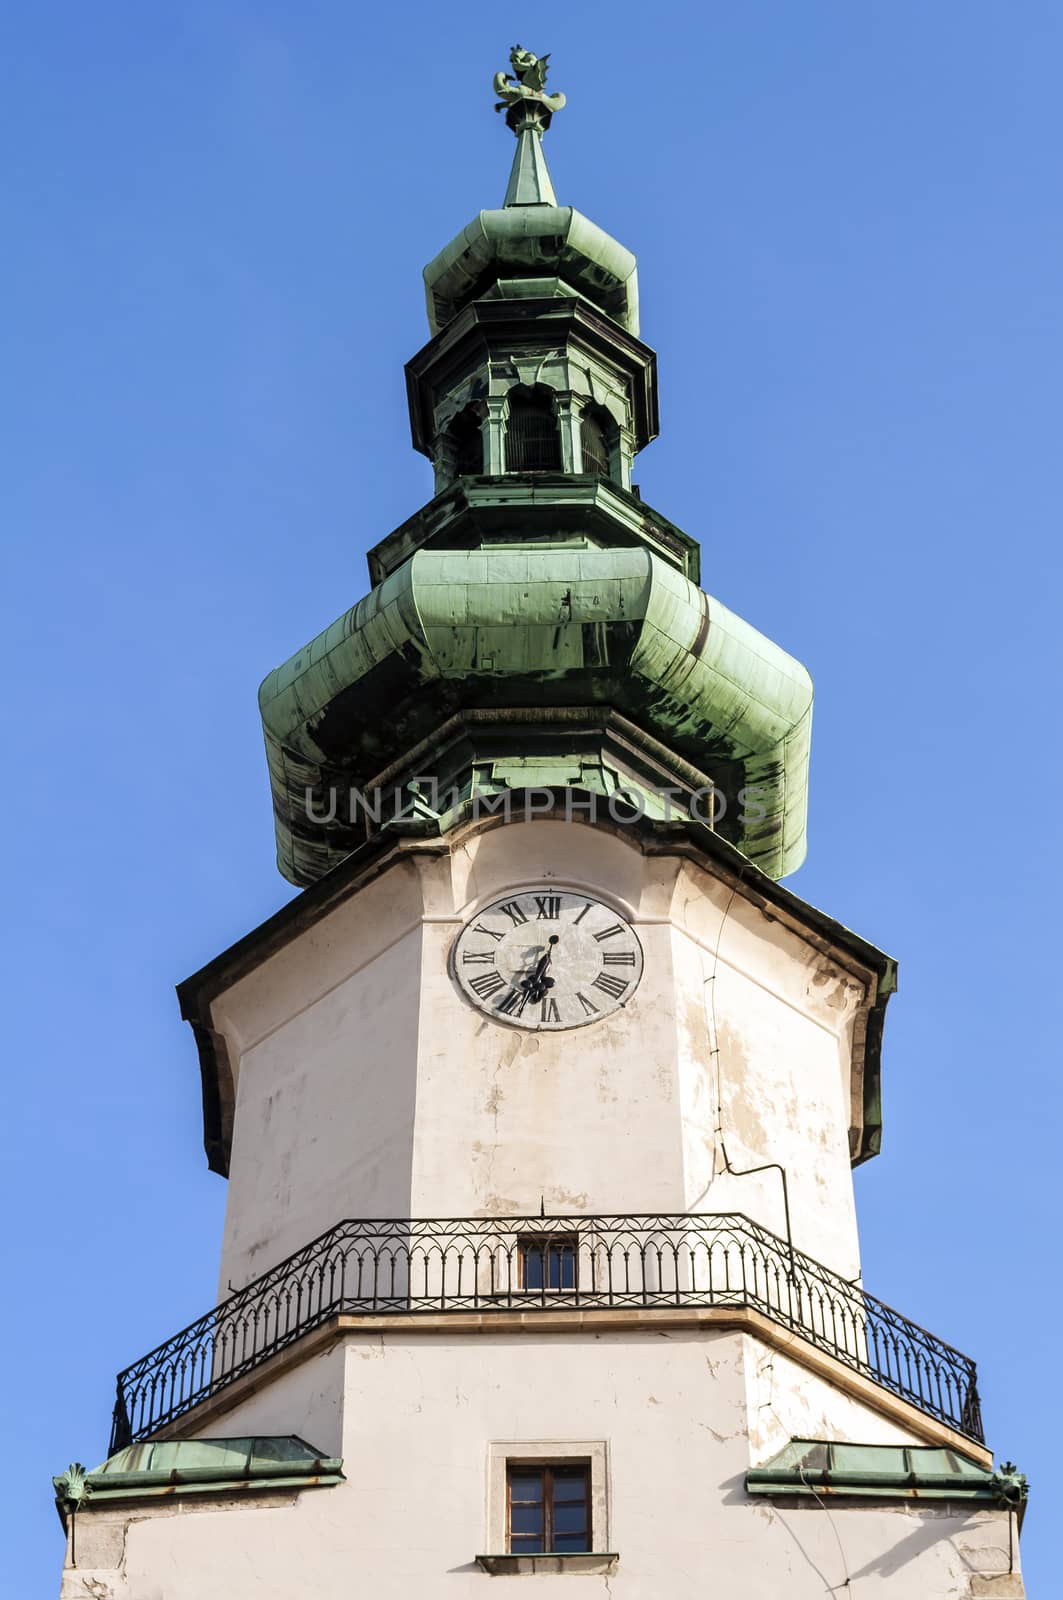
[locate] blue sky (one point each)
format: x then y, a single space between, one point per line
849 226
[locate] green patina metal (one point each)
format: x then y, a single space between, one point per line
537 511
535 625
70 1487
545 329
524 630
817 1466
531 238
522 96
168 1467
541 241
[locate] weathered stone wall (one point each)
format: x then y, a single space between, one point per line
368 1087
676 1419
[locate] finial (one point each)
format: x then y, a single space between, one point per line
529 109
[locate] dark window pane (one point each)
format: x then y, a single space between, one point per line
594 445
562 1269
548 1507
526 1486
570 1481
570 1518
571 1541
533 1269
466 440
548 1263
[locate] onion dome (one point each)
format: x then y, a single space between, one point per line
537 625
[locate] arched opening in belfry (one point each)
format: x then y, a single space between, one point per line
465 437
533 443
597 437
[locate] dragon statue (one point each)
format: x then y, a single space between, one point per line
526 81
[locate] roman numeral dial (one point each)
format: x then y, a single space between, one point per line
545 959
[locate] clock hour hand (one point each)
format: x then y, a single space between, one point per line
537 983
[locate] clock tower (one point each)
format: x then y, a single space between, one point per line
539 1105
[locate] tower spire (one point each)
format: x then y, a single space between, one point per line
529 110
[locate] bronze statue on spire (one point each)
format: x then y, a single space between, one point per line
526 82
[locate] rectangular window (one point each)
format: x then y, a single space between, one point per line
548 1260
547 1496
548 1508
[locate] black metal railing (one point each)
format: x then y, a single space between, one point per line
544 1264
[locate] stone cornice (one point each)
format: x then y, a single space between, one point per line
923 1428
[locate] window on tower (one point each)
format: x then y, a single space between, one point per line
533 443
596 434
548 1261
465 435
548 1507
547 1497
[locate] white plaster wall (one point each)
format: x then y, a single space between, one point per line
307 1400
319 1036
765 1037
586 1120
784 1401
418 1417
368 1086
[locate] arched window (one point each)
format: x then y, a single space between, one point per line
593 447
595 432
466 443
532 440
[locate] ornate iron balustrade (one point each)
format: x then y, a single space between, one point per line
537 1264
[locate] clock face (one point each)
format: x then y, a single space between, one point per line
544 959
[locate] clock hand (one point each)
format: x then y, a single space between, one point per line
536 973
537 988
537 983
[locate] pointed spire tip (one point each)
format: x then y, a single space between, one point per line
529 110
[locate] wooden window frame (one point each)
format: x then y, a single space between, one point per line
552 1472
537 1452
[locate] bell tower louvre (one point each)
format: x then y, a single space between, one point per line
538 1106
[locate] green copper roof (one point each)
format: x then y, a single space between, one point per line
531 236
564 628
541 241
208 1466
540 510
536 625
529 180
808 1466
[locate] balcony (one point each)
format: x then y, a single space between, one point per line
537 1265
